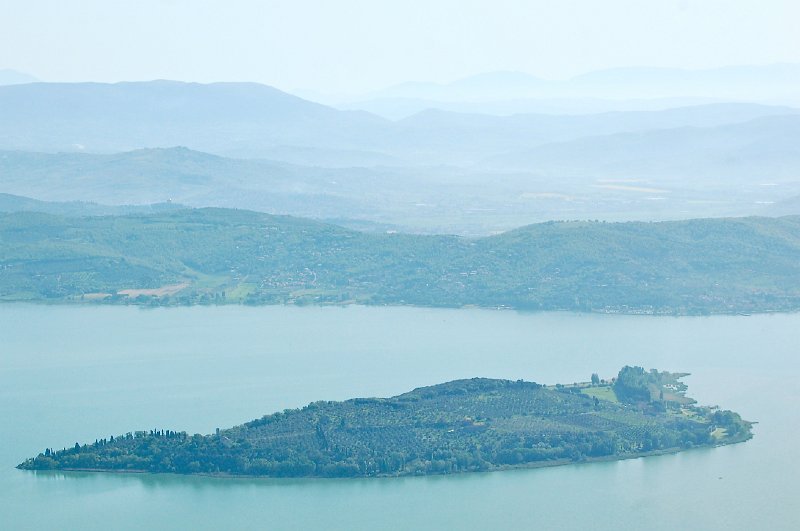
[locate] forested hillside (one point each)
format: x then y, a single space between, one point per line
218 256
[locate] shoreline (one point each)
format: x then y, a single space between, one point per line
504 468
749 312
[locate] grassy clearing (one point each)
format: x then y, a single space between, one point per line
604 392
719 433
692 415
240 291
171 289
207 281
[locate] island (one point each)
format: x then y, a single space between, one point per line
477 424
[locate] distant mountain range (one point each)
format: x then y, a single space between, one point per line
253 146
760 150
256 121
399 108
181 175
15 203
481 133
233 118
790 206
575 180
605 90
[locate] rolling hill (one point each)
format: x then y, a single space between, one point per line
232 118
759 150
247 120
217 255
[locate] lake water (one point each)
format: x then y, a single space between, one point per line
72 374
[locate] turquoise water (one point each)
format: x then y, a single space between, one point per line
72 374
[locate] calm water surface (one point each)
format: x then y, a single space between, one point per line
70 374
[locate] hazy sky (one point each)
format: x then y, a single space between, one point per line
358 45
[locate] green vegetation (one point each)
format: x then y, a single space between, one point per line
232 256
602 392
634 385
460 426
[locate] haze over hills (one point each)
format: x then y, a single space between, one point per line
256 121
631 88
180 175
786 207
187 241
743 82
760 150
14 77
221 117
427 200
15 203
255 147
399 108
478 134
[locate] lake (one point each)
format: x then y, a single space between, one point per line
73 374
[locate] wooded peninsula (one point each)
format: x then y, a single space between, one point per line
460 426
